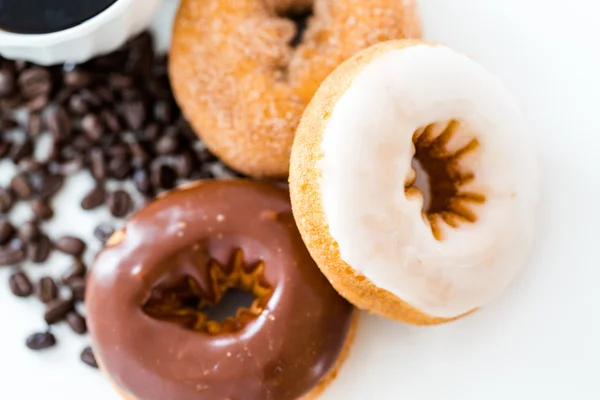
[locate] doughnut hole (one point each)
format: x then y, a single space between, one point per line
446 201
297 18
234 295
300 19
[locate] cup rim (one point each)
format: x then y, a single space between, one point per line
46 39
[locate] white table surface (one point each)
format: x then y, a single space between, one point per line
540 341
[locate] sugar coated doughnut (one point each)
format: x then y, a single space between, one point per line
393 113
151 292
243 74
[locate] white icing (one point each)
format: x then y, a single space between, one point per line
367 152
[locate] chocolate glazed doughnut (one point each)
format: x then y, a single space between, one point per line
149 290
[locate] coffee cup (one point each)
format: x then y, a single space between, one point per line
50 32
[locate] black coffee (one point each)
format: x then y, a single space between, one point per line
46 16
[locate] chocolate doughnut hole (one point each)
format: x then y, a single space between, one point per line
233 295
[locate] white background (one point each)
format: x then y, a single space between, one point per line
541 340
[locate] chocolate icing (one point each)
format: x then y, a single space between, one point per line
281 354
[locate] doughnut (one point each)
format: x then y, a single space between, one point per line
243 73
150 293
423 253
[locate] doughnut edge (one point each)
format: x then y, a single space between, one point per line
316 392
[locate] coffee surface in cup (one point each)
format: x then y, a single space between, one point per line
47 16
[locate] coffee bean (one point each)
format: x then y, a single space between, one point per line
56 150
37 94
185 164
38 103
51 184
11 102
163 111
41 210
35 81
63 95
11 256
92 127
77 78
6 200
59 123
81 143
4 148
20 285
6 231
7 123
152 132
77 286
134 113
71 245
20 65
164 177
109 62
119 203
87 356
30 165
141 150
104 93
35 125
40 341
103 232
111 121
94 198
46 290
140 55
130 95
7 82
120 81
90 98
77 105
77 270
118 150
21 186
141 179
159 67
168 144
39 250
57 310
36 180
119 168
98 164
108 140
20 150
76 322
28 232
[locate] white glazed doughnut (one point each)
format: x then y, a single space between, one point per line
353 193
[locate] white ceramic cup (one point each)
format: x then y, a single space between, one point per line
100 34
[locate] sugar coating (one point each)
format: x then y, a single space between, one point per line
244 88
380 231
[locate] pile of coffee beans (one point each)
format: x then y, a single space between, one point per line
115 117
